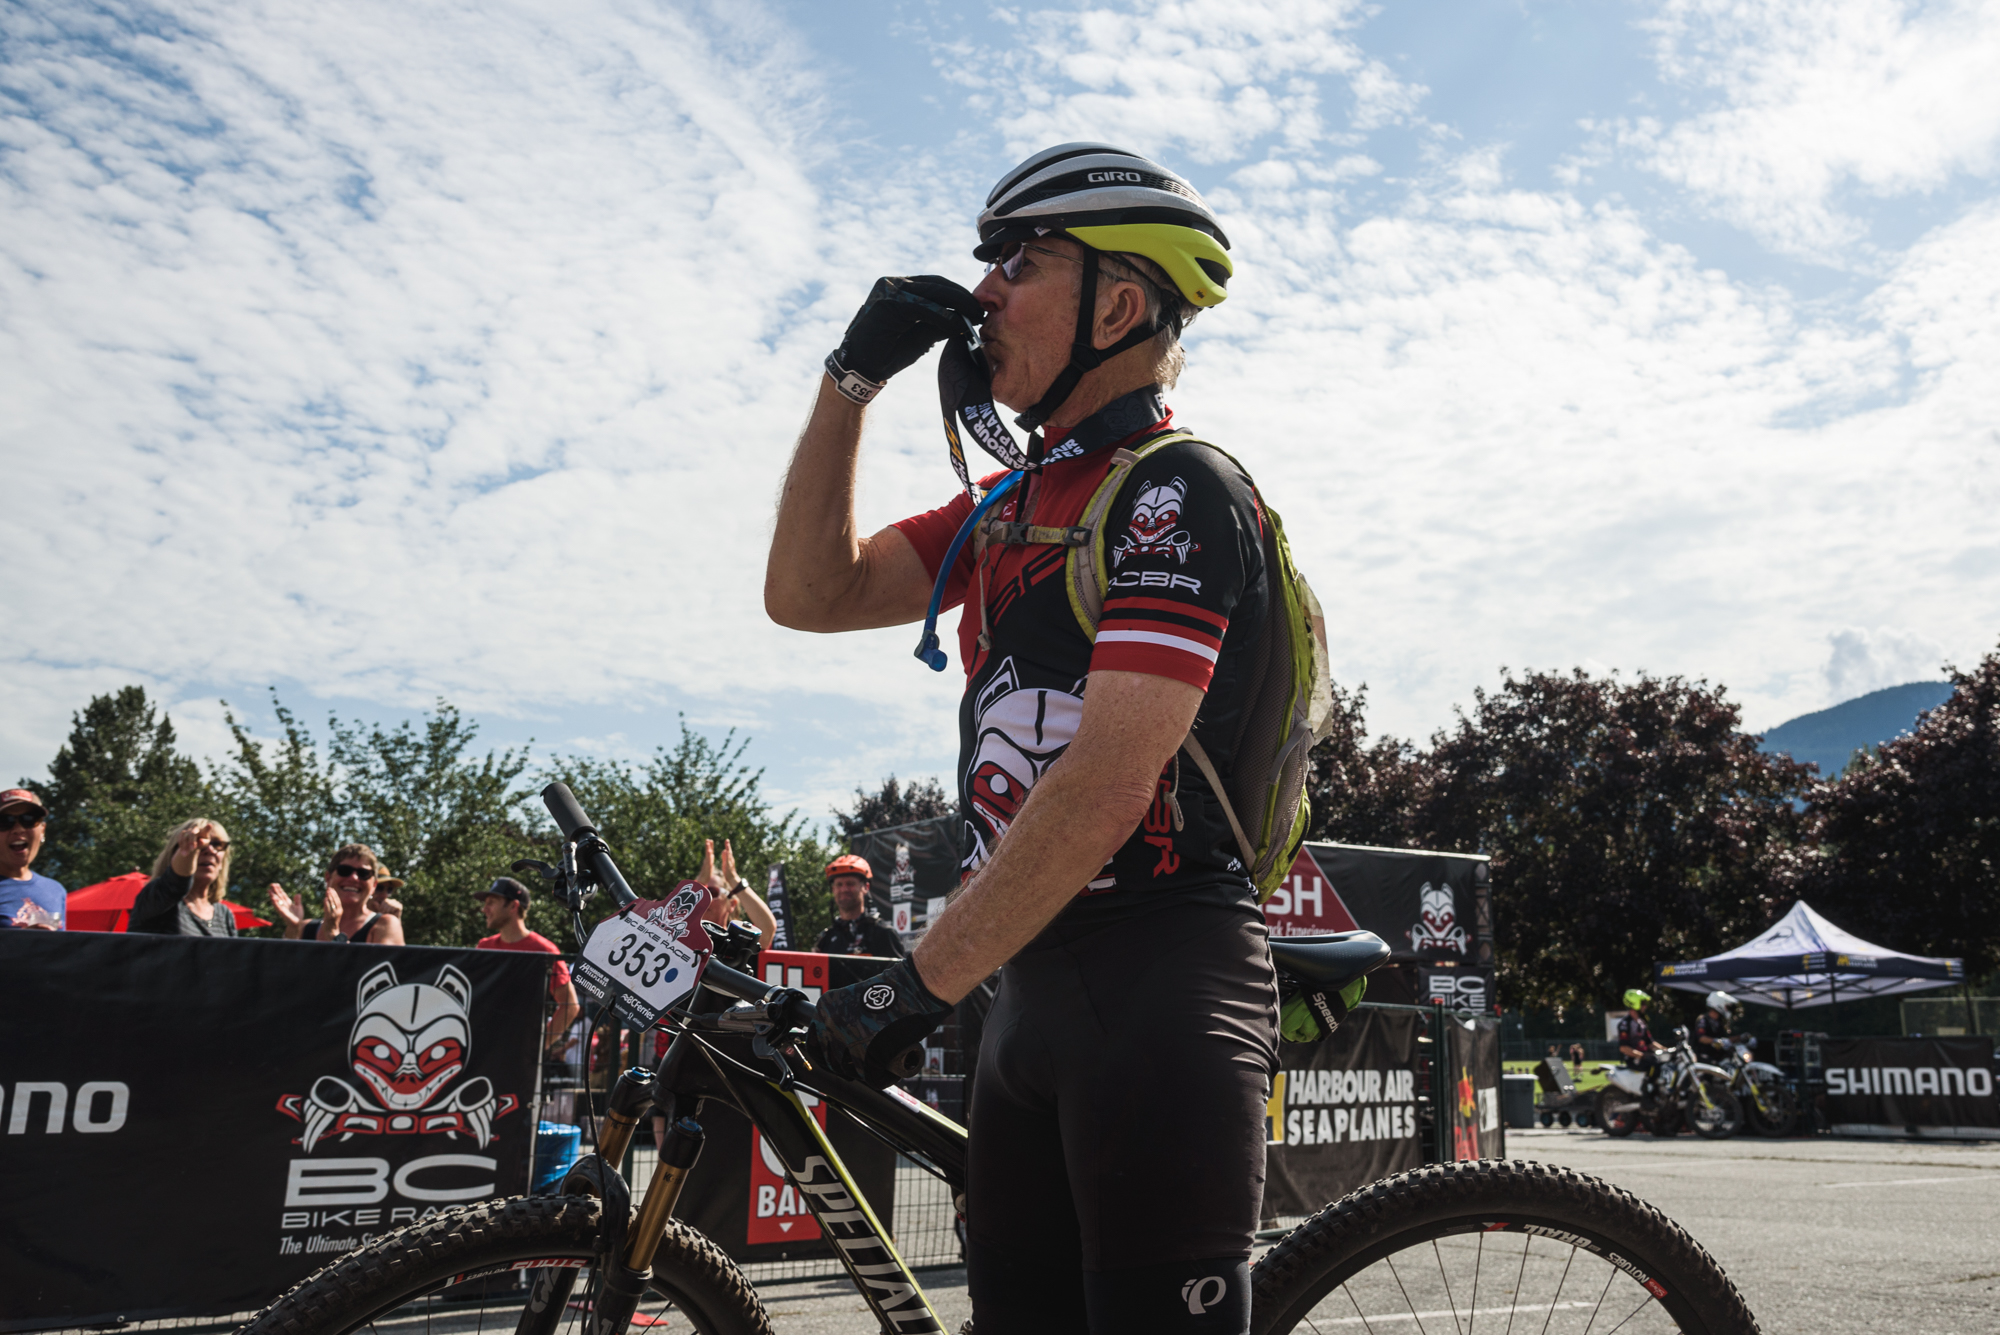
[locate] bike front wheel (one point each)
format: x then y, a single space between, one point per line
1540 1245
474 1268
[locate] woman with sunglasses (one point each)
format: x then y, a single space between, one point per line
184 896
353 912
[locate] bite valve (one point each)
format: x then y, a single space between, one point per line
930 654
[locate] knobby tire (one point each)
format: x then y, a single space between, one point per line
1502 1207
423 1260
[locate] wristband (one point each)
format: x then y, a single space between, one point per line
855 386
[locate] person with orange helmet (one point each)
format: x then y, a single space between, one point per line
855 929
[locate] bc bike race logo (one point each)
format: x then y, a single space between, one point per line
1154 529
409 1044
1437 920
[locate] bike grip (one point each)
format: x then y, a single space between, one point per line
562 804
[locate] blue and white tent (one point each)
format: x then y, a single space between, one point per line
1804 960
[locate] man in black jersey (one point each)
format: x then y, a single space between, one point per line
855 929
1117 1168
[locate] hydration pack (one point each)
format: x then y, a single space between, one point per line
1290 694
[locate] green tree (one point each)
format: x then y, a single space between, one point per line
1365 792
443 820
656 816
893 804
1628 822
1910 835
282 804
114 790
440 818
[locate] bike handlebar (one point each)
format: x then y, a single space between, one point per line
590 850
562 804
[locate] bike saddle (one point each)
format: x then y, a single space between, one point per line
1328 963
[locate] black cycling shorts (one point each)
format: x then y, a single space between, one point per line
1117 1150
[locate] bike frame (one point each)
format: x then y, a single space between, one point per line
697 1070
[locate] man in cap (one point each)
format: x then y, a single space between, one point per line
27 898
1102 872
855 929
505 904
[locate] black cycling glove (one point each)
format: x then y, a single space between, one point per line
900 321
869 1030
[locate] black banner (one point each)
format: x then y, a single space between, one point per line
1471 1054
1940 1087
1429 907
780 905
915 867
1343 1113
193 1125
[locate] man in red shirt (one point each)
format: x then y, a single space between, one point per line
505 904
1103 1194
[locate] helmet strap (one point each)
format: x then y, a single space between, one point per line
1084 357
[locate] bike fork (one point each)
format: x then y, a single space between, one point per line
623 1276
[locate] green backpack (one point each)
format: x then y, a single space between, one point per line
1291 697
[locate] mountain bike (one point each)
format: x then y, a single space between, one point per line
1570 1253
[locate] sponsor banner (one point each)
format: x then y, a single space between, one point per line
779 901
1462 989
1343 1113
1936 1083
283 1100
1471 1053
915 867
1426 906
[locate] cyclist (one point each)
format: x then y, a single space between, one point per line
856 929
1117 1171
1635 1040
1711 1027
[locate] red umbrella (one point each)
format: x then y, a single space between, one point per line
107 906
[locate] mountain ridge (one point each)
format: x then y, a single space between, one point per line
1830 737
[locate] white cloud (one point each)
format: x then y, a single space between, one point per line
406 351
1819 98
1210 78
1864 660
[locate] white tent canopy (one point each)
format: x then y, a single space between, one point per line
1804 960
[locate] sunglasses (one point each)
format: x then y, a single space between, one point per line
219 845
23 822
1015 254
346 872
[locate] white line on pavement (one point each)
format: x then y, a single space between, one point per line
1911 1181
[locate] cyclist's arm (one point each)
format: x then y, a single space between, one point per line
822 575
759 914
1075 818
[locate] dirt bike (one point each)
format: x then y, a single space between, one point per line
1571 1253
1770 1107
1683 1090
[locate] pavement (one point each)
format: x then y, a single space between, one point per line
1823 1236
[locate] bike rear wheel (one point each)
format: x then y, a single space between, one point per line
473 1268
1546 1248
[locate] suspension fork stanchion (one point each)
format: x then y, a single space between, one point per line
623 1281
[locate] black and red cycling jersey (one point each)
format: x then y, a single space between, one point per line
1184 557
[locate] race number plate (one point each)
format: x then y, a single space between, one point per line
640 964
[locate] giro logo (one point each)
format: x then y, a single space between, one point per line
1204 1293
1104 178
878 996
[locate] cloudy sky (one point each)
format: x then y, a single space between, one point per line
388 351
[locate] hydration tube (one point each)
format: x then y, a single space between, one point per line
927 648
